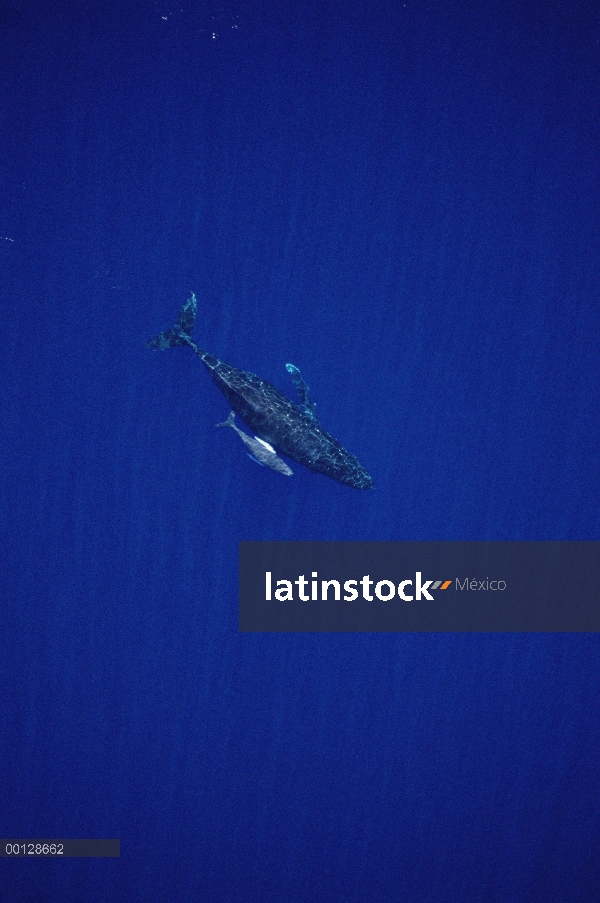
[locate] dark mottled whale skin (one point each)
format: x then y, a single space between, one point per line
269 413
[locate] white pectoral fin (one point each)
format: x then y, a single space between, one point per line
266 444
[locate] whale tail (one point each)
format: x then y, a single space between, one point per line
229 422
181 332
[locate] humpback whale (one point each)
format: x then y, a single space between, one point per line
293 430
259 450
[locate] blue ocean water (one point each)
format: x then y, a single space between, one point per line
403 200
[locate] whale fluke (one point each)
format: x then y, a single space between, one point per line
181 333
229 422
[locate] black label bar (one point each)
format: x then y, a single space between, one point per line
59 849
419 587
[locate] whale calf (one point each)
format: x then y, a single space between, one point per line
271 416
258 449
